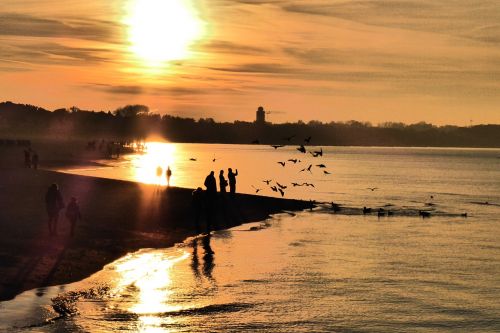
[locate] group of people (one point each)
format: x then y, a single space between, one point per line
168 173
209 198
54 203
30 159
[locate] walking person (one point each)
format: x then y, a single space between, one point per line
169 174
53 203
73 214
232 180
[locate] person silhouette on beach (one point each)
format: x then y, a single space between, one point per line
168 174
53 203
211 194
73 214
232 180
222 183
197 205
34 161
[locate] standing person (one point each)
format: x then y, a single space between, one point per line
53 203
73 214
222 183
211 185
169 174
232 180
34 161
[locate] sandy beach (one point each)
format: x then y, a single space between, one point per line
118 217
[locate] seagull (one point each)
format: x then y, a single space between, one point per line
288 138
302 149
321 165
281 191
326 172
192 159
372 188
294 160
308 184
309 168
214 159
282 163
307 140
256 189
274 188
277 146
267 181
296 184
317 153
281 186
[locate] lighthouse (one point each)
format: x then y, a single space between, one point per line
260 116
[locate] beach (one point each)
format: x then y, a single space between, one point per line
117 217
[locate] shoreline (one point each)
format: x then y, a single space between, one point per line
113 225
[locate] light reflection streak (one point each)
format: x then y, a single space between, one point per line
157 156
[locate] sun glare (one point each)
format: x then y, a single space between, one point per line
162 30
151 167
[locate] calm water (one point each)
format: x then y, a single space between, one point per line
312 272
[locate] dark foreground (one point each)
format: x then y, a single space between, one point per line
118 217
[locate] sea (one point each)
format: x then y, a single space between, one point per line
317 270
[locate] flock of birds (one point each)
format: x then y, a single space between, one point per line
280 188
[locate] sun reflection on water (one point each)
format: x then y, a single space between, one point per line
151 167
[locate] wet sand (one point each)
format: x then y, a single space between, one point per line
118 217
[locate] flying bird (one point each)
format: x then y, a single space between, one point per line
372 188
256 189
282 192
277 146
302 149
214 159
308 184
192 159
317 153
321 165
281 186
293 160
274 188
282 163
326 172
296 184
267 181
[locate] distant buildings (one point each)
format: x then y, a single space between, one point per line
260 116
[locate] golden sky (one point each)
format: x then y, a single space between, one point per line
331 60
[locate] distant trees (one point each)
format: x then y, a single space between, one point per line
137 122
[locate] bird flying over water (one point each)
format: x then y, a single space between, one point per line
317 153
277 146
192 159
281 186
256 189
372 188
282 192
308 184
296 184
321 165
308 168
282 163
326 172
293 160
302 149
274 188
267 181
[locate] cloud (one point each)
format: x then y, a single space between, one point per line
13 24
220 46
140 90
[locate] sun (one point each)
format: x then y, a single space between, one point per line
162 30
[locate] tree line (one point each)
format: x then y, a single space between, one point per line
136 122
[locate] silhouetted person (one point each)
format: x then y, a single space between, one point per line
73 214
169 174
27 158
197 205
222 183
232 180
211 185
34 161
53 203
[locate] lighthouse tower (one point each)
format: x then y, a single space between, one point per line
260 118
